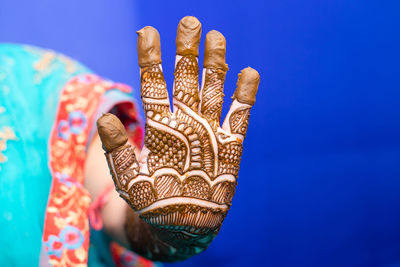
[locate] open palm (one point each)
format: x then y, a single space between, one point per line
185 176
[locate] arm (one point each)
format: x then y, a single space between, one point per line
182 183
97 178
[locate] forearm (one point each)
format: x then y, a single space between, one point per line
126 227
163 244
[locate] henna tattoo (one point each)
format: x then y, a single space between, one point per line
212 96
186 87
239 121
185 216
153 84
229 157
159 243
154 91
196 187
183 187
141 195
123 166
168 186
223 192
198 132
166 150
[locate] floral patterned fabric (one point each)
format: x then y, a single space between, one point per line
66 230
48 108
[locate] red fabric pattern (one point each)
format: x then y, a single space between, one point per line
126 258
66 228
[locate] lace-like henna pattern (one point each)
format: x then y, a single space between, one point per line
183 187
154 91
153 85
168 186
166 150
229 156
141 194
196 187
123 165
184 216
186 82
212 96
239 121
223 192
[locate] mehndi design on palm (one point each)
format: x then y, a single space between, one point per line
185 176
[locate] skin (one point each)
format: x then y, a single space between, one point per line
97 177
119 220
116 212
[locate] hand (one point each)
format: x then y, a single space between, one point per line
187 171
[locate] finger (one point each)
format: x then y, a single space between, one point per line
153 87
214 71
237 120
186 84
120 154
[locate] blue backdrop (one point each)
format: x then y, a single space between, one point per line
320 177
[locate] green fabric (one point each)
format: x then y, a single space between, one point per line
28 101
31 80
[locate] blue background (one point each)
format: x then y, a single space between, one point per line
320 177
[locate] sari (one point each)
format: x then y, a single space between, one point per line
49 104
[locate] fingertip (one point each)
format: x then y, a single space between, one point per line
215 50
148 46
188 36
111 131
247 86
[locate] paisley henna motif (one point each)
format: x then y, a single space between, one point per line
185 178
239 121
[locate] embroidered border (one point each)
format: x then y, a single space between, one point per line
66 228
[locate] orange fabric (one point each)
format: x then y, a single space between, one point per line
126 258
66 228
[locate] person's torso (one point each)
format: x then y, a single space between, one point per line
30 83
